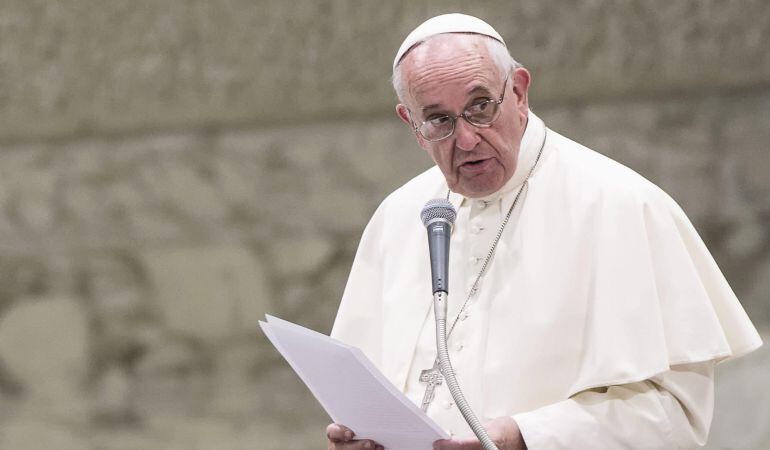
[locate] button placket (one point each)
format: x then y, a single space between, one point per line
475 241
479 240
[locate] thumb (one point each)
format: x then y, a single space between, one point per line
459 444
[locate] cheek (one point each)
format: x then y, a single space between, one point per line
442 157
509 160
507 146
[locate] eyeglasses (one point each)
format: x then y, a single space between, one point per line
480 114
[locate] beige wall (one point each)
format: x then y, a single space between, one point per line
170 171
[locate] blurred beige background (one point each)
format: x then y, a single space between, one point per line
170 171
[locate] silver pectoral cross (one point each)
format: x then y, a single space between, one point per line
433 378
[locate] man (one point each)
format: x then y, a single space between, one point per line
587 311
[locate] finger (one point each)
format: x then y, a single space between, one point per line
457 444
339 433
444 444
364 444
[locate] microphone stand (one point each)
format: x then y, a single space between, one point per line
440 311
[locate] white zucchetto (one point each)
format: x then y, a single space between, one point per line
445 23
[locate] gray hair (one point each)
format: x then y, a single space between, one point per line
499 52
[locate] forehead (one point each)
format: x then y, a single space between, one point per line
447 69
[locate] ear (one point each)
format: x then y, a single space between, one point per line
403 114
521 80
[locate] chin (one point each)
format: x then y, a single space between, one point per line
475 193
479 190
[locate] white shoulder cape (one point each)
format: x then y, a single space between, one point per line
602 281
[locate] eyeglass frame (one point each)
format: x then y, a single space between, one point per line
462 114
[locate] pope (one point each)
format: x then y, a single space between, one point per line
586 311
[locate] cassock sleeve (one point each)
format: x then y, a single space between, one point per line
360 306
670 410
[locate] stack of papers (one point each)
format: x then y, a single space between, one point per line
351 389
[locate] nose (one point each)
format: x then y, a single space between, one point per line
466 135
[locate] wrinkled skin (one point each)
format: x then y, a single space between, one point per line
340 437
503 431
446 75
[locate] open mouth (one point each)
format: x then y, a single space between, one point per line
476 166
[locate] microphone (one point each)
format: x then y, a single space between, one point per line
438 216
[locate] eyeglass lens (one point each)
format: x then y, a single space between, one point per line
479 114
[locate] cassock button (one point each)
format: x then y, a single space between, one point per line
447 405
475 259
464 316
459 346
476 229
481 204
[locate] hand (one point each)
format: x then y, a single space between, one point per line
340 437
504 432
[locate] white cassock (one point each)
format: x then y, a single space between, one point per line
597 324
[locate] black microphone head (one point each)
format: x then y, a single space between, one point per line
438 208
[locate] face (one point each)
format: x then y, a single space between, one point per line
446 75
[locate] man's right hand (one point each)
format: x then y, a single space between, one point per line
340 437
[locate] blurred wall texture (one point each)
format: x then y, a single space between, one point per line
170 171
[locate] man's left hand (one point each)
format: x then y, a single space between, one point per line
504 432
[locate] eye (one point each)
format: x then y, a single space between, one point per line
480 106
438 121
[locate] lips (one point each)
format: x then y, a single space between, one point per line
475 167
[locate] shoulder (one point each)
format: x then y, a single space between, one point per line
401 209
410 198
578 171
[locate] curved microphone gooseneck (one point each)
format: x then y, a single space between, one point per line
439 215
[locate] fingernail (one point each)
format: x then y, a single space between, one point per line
348 435
368 444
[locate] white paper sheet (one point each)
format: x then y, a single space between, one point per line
351 389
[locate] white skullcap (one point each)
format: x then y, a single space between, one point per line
445 23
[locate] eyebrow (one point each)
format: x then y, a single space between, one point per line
479 88
474 90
